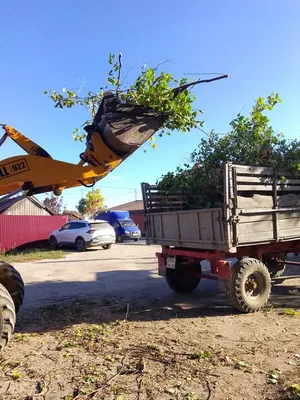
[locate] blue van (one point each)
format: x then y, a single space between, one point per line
123 225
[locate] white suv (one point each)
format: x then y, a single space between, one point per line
83 234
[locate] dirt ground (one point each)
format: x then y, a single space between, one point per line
115 331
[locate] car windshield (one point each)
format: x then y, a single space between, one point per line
99 225
126 223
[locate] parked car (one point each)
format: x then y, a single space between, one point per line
83 234
123 225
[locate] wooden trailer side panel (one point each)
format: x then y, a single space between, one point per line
196 229
266 203
261 206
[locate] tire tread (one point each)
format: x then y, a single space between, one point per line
237 273
7 308
11 279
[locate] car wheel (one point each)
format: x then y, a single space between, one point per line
106 247
80 244
136 240
119 239
53 243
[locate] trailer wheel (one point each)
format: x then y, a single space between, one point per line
13 282
250 285
272 266
181 279
7 317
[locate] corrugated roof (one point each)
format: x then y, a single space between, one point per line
136 205
8 203
74 213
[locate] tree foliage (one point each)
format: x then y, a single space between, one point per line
82 206
54 204
152 88
251 141
91 204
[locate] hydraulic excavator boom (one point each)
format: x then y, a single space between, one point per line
116 132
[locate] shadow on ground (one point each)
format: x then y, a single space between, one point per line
117 295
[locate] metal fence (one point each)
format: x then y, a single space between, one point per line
22 230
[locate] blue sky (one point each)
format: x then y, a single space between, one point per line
51 45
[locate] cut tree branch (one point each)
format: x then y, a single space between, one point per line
119 72
180 89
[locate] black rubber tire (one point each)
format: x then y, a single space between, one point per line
136 240
179 280
53 243
240 273
80 244
271 264
13 282
106 247
7 317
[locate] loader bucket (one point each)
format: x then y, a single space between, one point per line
124 127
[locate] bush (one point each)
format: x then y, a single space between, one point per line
251 141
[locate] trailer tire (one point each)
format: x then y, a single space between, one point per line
7 317
271 264
13 282
179 280
241 285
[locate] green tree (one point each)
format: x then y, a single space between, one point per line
152 88
251 141
91 204
82 206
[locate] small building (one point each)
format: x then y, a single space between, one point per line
22 205
136 211
73 215
26 222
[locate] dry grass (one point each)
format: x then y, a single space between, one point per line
88 350
31 255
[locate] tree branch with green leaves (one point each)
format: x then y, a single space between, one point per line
153 88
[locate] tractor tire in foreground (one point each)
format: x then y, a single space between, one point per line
250 285
182 279
7 317
13 282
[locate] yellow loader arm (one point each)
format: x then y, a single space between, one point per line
116 132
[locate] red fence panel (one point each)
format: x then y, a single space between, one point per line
19 230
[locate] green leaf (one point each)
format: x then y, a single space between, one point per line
202 354
241 364
112 81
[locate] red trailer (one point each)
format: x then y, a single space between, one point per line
258 224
